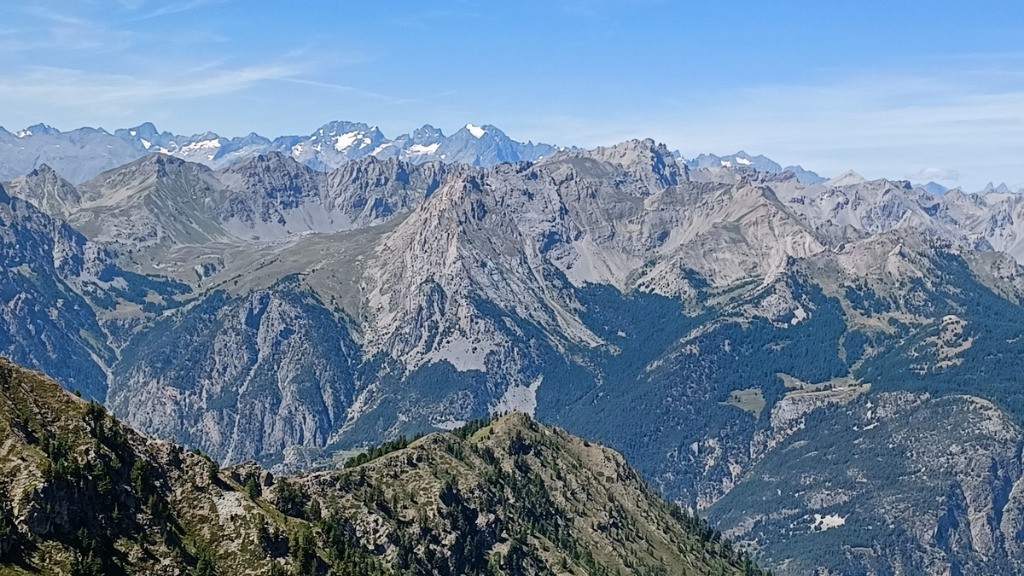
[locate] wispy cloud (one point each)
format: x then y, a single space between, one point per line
88 92
891 126
933 174
168 8
52 32
961 126
71 29
344 88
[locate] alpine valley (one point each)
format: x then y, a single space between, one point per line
828 370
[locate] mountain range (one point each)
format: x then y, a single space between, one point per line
826 369
81 154
759 162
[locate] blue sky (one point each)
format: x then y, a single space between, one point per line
925 90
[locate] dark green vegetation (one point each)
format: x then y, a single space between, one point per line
377 452
678 381
837 509
82 494
509 496
983 358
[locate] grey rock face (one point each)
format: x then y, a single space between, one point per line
486 146
66 304
241 377
48 191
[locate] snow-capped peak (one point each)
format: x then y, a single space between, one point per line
476 131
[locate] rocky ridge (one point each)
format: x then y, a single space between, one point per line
82 493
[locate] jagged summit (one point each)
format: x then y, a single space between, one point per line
935 188
153 164
85 153
43 170
38 130
848 178
743 161
1002 188
646 159
48 191
740 159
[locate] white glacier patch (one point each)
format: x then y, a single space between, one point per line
346 140
476 131
421 150
202 145
381 148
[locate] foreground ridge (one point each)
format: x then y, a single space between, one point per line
82 493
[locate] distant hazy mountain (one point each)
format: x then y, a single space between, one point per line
1002 188
77 155
82 154
935 188
741 160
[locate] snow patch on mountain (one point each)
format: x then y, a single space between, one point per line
345 141
211 144
421 150
476 131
